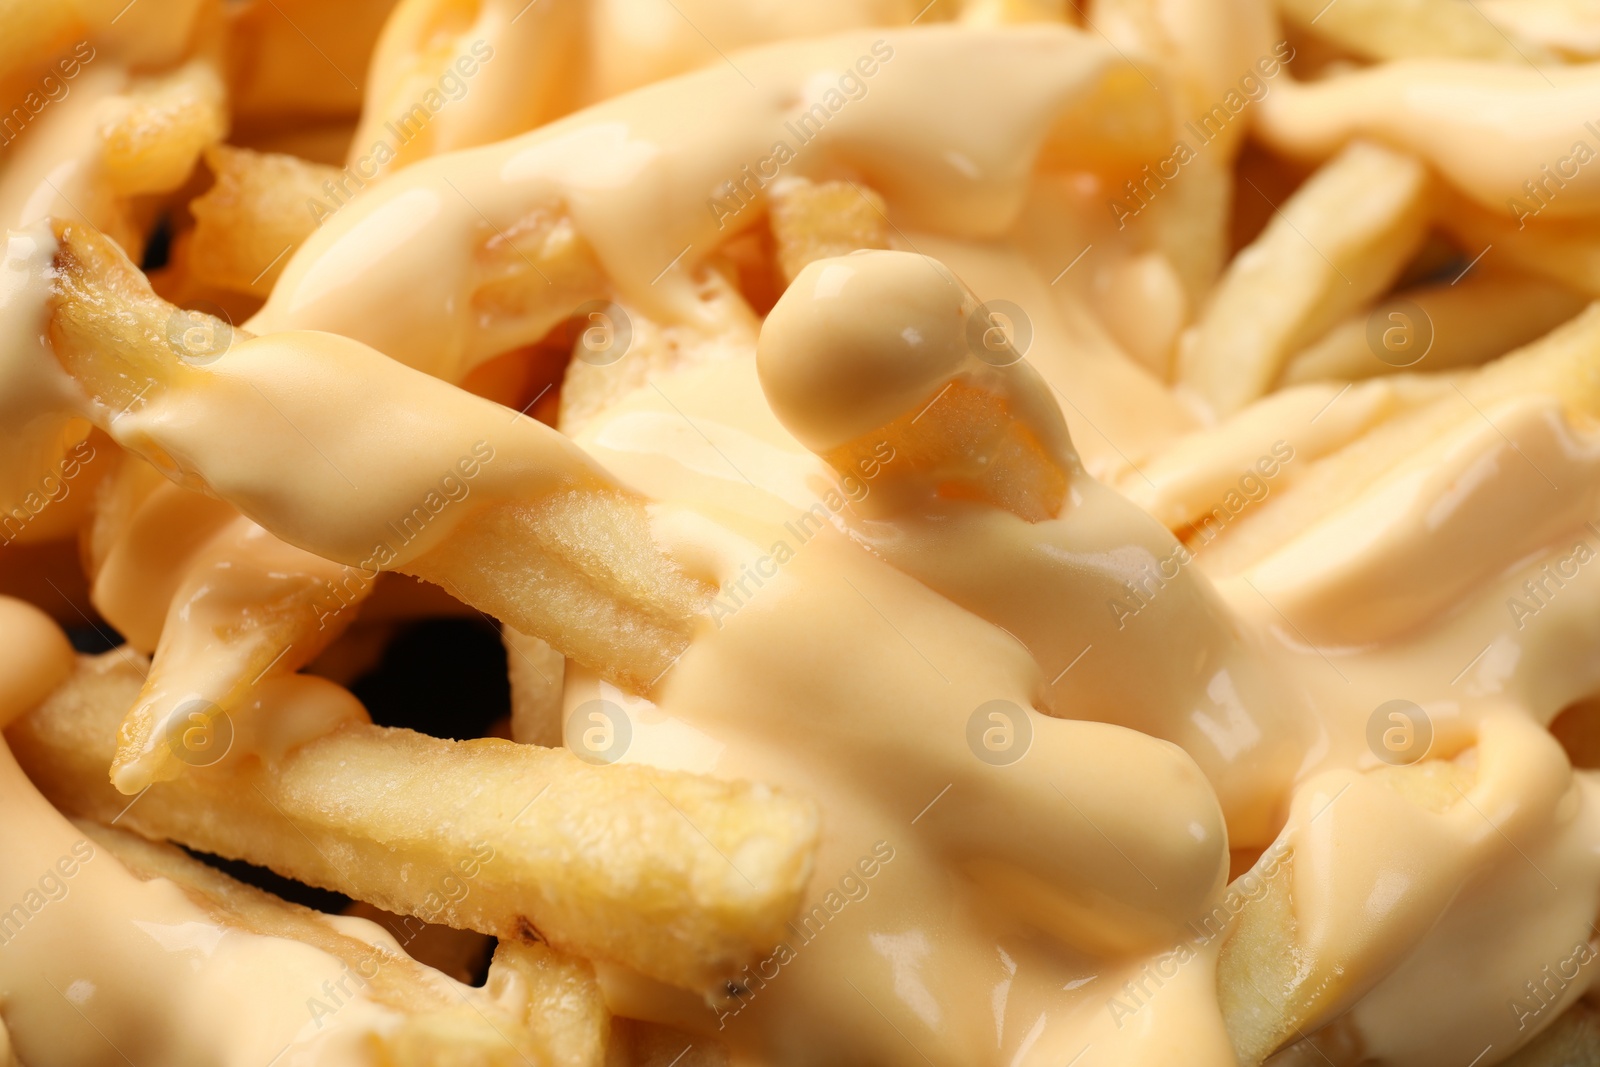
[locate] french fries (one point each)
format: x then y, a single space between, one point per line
441 1018
1257 983
813 221
1408 486
569 558
528 375
618 349
536 671
1560 364
521 57
1337 243
557 998
1376 29
160 126
1437 327
211 655
538 262
1184 484
1432 109
254 217
1205 45
1270 990
682 878
1565 251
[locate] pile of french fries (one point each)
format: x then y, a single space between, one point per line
1374 223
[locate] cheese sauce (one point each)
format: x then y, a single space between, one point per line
1029 797
81 935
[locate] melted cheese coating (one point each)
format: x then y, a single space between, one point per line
78 927
1048 909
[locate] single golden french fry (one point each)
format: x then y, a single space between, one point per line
558 999
1268 994
1189 221
679 877
1256 969
444 1019
1437 327
107 311
537 672
1187 485
816 220
507 69
254 217
160 125
1386 29
631 620
1338 242
214 650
